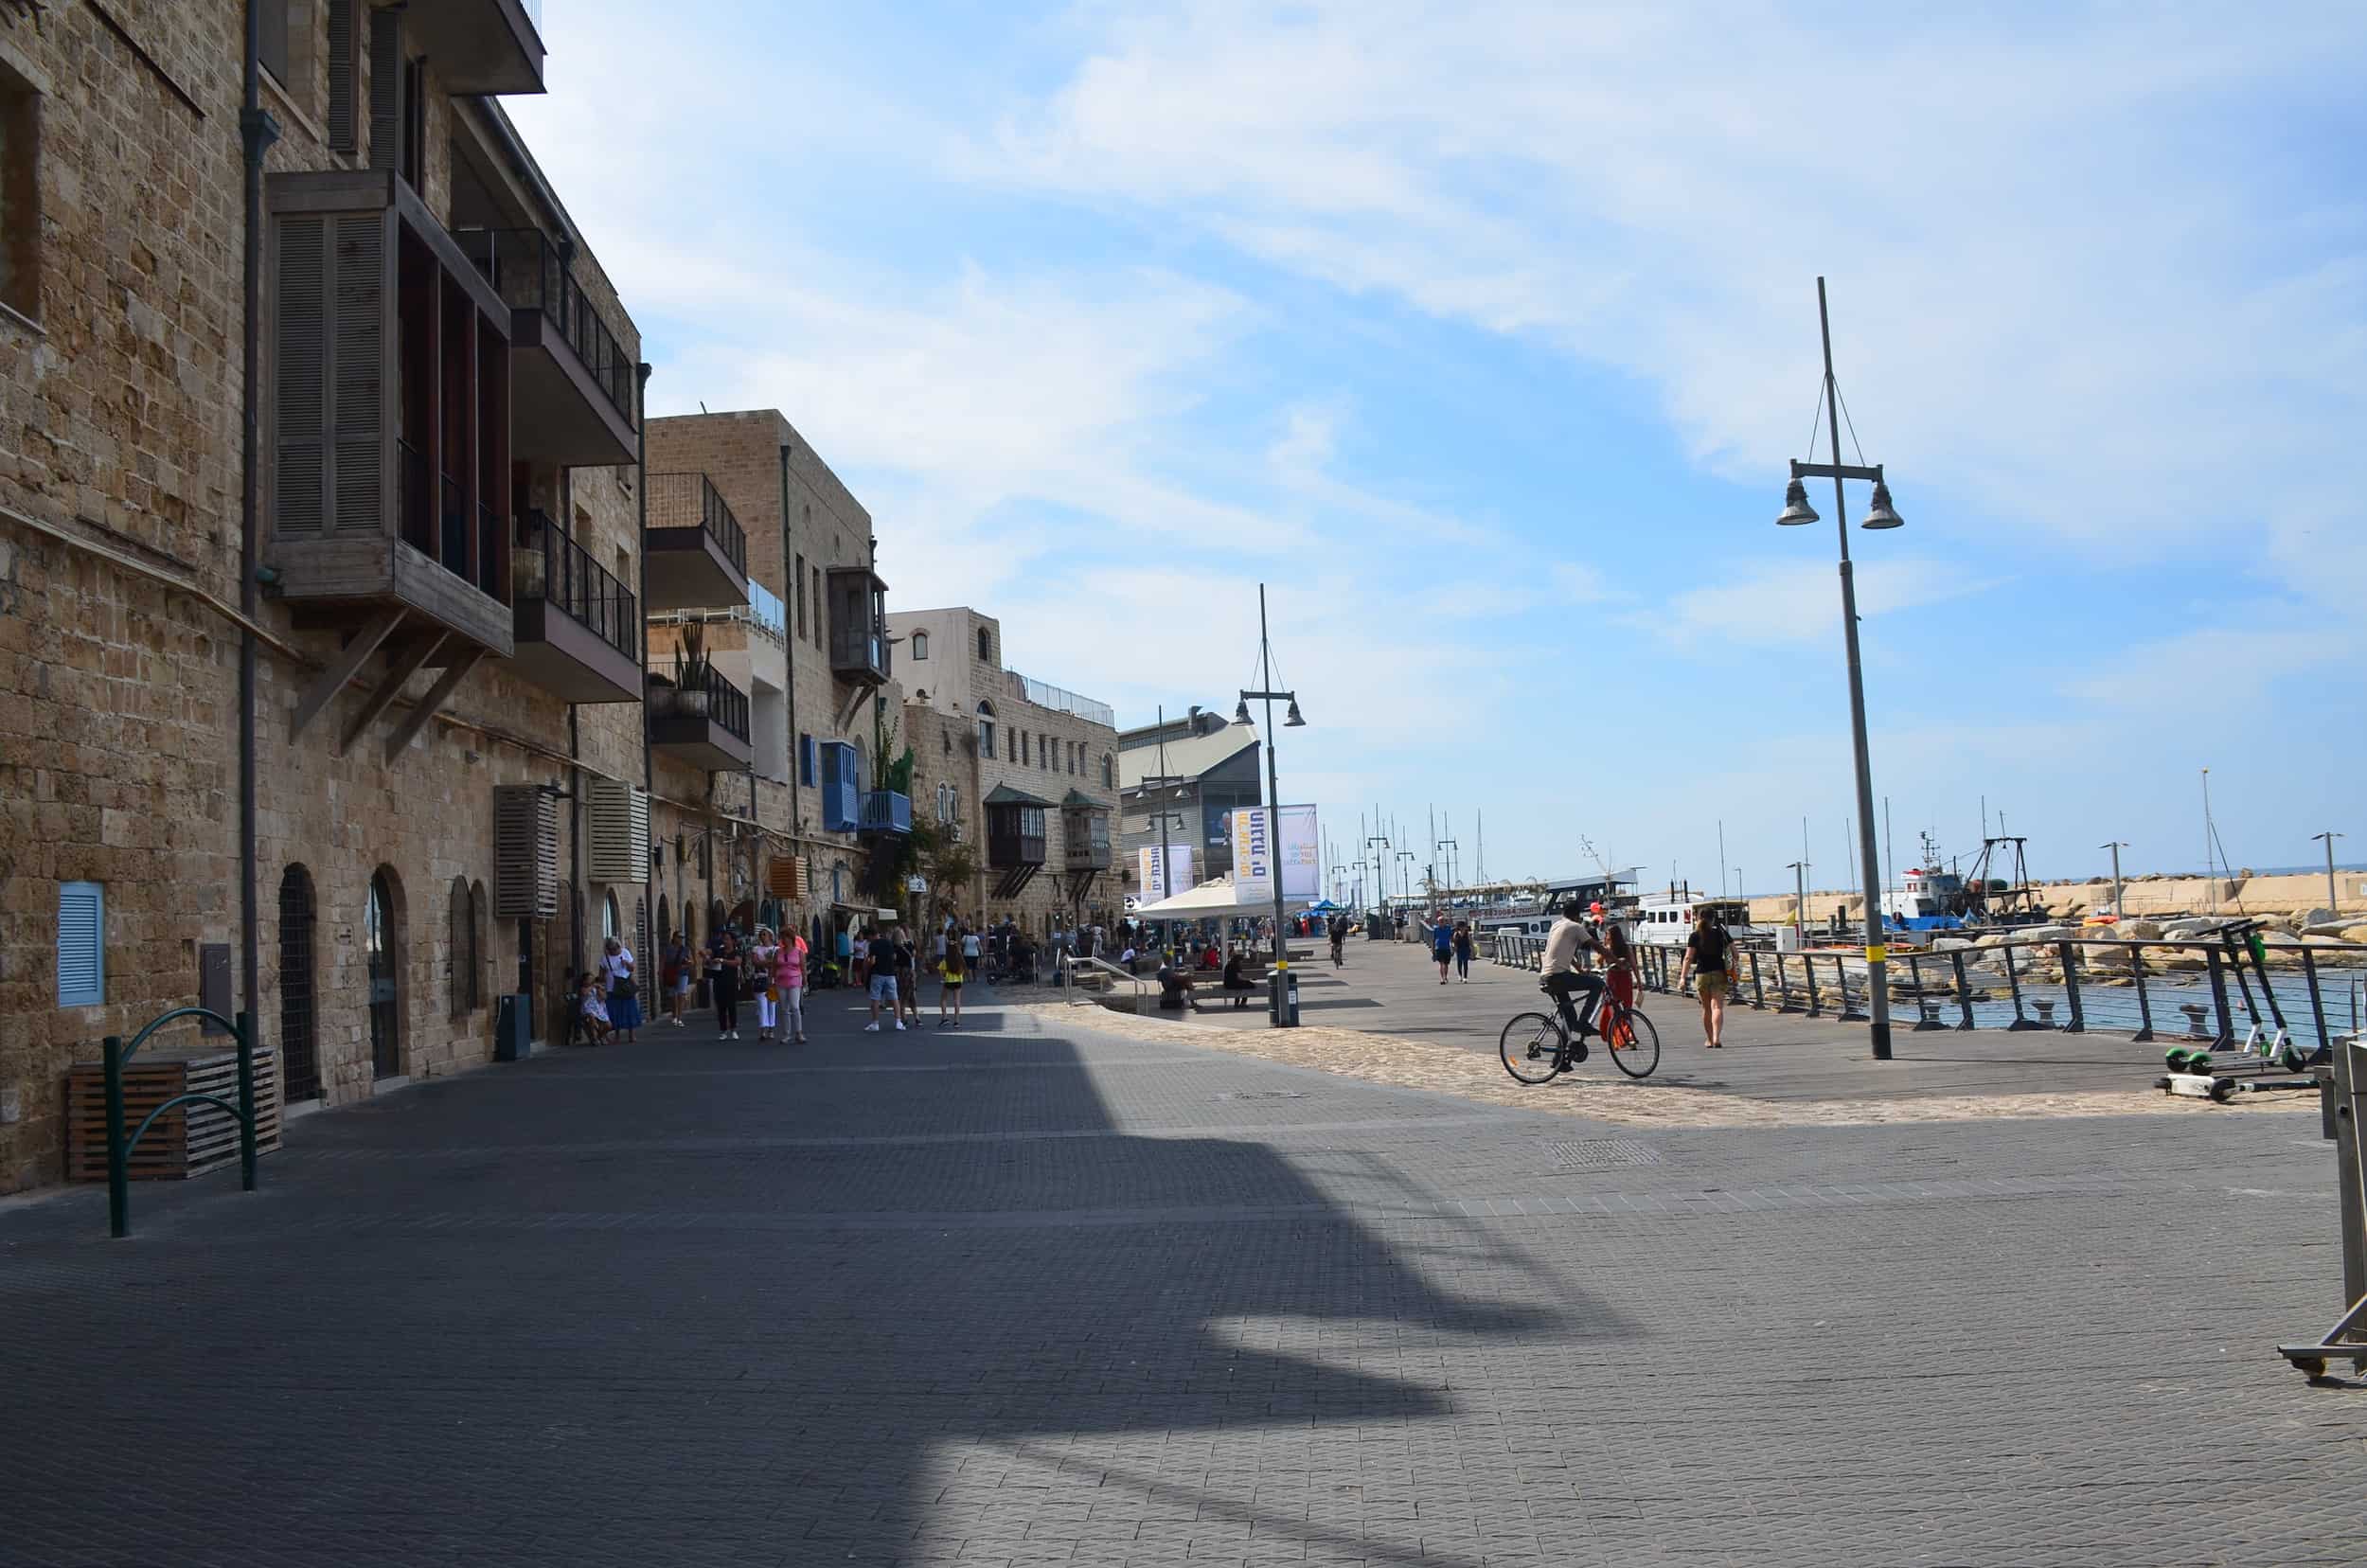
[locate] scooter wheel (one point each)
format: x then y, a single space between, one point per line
2222 1091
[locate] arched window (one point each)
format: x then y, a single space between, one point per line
986 646
481 947
986 726
382 947
920 646
1109 773
460 959
612 918
664 919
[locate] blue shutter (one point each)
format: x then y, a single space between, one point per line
81 944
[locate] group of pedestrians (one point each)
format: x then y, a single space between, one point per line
1450 944
895 959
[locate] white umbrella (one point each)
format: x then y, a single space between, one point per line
1213 898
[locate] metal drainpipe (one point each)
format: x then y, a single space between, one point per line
796 760
575 773
641 626
257 131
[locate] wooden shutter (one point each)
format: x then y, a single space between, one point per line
525 853
329 343
386 89
344 72
783 877
618 816
81 944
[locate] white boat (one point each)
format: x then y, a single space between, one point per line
1665 920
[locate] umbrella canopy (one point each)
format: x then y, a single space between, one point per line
1214 897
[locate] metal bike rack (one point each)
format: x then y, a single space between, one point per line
2345 1102
119 1148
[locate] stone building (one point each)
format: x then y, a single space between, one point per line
1195 771
777 812
1022 772
432 798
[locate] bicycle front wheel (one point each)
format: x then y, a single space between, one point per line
1634 1044
1530 1045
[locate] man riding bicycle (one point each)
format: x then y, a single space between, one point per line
1568 937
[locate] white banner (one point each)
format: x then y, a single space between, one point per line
1298 850
1153 879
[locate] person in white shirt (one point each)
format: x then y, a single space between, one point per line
1568 938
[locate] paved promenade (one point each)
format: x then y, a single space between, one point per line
1050 1292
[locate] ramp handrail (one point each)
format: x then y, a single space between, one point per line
119 1148
1071 967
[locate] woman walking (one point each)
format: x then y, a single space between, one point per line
724 966
624 991
1463 950
788 979
1709 956
763 954
908 975
674 975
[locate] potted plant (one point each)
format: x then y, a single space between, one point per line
690 696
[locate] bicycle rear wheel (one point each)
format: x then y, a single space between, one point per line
1634 1044
1529 1045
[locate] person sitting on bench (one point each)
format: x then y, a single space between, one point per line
1175 988
1237 985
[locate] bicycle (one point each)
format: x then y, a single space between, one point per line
1536 1047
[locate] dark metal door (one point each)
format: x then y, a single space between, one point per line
299 1051
380 943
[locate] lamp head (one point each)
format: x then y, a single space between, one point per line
1241 713
1796 509
1295 719
1883 516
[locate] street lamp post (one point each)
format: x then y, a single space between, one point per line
1799 870
2334 899
2116 847
1291 719
1797 510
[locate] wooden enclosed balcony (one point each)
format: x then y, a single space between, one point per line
1084 834
695 552
390 403
578 629
858 612
481 47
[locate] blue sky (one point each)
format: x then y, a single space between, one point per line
1482 334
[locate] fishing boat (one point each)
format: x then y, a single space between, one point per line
1667 919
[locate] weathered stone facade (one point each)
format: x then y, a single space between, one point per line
801 521
975 727
121 531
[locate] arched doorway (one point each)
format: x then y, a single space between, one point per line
381 945
299 1042
665 921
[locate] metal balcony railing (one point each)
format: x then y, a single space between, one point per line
575 582
712 698
433 518
1060 699
530 270
692 501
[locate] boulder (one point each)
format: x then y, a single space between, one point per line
2140 931
2309 918
2355 933
2327 927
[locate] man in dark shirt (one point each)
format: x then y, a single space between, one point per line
883 988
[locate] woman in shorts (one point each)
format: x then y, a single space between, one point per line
949 990
1709 958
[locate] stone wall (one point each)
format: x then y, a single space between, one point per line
119 548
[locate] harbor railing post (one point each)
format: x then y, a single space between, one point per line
2144 1003
1807 961
119 1176
2218 998
2078 1024
2013 983
246 1101
1963 990
1840 977
1758 988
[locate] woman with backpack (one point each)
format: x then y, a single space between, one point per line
1709 958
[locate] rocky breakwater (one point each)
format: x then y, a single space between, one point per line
2109 955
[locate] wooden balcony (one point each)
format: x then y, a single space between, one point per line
857 603
695 551
1084 834
480 47
390 410
578 627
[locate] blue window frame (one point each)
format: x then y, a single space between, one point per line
808 769
81 944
